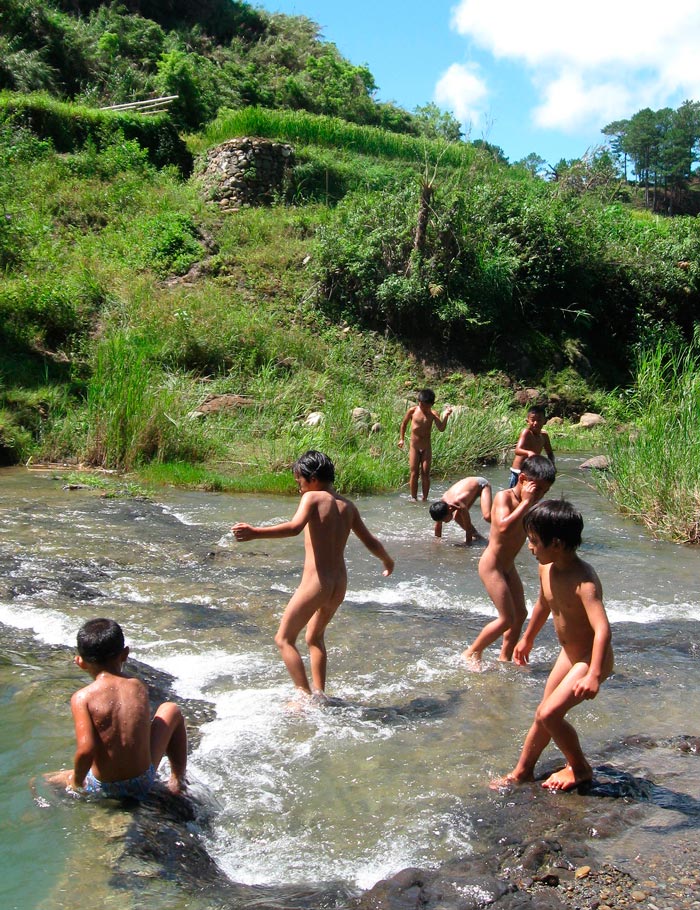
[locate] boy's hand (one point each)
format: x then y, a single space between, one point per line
587 687
530 492
388 566
401 443
242 531
521 653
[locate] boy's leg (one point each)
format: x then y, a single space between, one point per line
305 601
426 462
169 737
414 460
497 588
315 641
551 713
538 736
512 634
486 502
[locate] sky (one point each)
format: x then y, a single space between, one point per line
544 76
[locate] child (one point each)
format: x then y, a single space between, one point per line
571 591
497 565
457 501
327 519
531 442
118 747
420 454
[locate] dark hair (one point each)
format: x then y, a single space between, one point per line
555 519
426 396
537 467
99 640
314 464
439 510
537 409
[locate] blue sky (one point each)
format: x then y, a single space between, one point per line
543 76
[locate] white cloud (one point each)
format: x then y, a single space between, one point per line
592 62
462 90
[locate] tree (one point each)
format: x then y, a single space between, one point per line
534 164
435 123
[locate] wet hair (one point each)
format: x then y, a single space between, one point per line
439 510
426 396
314 464
100 640
538 409
537 467
555 519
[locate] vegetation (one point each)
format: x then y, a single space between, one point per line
655 470
392 259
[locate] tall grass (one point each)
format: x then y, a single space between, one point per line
655 469
331 132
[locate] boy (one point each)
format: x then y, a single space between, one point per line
531 442
457 501
327 519
118 747
571 591
497 565
420 454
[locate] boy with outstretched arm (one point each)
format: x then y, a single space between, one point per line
456 502
497 565
571 591
532 441
422 417
118 746
326 518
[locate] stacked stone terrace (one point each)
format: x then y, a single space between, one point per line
246 171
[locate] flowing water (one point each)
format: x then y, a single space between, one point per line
388 777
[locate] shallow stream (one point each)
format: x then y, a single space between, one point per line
392 776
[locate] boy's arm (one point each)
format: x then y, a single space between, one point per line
441 422
521 445
503 516
404 423
438 529
290 528
597 617
85 740
548 446
375 547
540 614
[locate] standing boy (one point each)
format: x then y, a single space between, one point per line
497 565
118 747
531 441
456 502
571 591
327 519
420 453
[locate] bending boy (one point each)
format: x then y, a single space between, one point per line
118 747
420 453
497 565
326 518
571 591
456 502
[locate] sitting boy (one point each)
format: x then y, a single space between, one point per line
118 747
571 591
456 502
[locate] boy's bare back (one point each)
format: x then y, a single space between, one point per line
329 519
114 710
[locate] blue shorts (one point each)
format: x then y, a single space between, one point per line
514 474
133 788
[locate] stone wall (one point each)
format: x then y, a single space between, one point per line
246 171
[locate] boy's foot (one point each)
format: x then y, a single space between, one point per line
507 782
567 779
176 786
473 661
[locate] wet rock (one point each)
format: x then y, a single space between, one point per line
314 419
214 404
596 463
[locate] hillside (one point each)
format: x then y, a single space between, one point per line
389 261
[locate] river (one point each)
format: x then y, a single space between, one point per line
391 776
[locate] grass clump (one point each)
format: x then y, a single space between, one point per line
655 466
